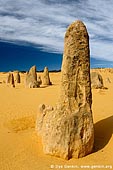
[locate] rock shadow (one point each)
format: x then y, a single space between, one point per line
21 124
103 133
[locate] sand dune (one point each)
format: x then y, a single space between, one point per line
21 147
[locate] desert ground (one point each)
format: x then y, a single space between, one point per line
21 147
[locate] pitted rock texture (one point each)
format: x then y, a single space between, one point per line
67 129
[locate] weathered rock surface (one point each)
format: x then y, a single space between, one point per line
67 129
31 78
10 79
33 73
46 78
17 77
96 81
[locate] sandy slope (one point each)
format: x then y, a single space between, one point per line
21 148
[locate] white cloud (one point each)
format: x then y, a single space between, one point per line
44 23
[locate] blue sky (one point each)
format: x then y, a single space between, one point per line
33 30
21 58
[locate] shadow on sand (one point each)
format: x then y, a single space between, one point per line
103 132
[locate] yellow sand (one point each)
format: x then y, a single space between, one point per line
21 148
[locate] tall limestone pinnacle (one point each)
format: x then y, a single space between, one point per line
10 79
31 78
75 83
18 77
67 129
46 78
